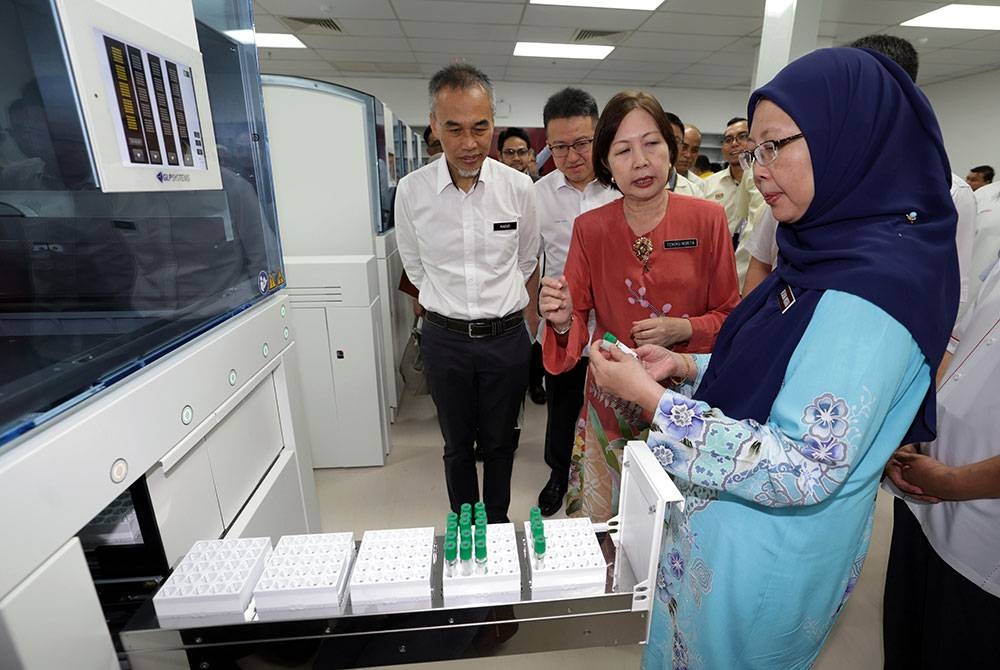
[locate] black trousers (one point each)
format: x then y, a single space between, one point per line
565 398
933 617
477 386
536 371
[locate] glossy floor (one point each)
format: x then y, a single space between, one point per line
409 491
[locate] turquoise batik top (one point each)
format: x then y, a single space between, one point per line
777 517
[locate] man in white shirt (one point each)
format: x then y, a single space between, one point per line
570 117
688 152
986 241
942 590
733 188
468 238
979 176
677 182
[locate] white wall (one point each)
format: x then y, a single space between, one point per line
520 104
967 109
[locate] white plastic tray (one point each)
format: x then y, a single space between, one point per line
502 581
574 563
393 570
305 575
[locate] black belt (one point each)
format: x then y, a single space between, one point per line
480 327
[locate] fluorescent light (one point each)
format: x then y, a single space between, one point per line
972 17
279 41
545 50
647 5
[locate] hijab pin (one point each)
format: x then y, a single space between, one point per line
912 217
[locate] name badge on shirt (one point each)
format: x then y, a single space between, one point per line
504 225
680 244
786 298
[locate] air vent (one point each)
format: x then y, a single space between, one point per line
601 36
328 25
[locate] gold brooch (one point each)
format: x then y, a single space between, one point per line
642 248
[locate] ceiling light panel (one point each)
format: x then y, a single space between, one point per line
965 17
546 50
278 41
643 5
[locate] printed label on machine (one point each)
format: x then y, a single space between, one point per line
153 103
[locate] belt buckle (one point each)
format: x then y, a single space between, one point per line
472 333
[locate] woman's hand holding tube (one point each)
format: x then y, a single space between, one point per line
623 376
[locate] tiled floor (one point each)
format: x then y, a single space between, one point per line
409 491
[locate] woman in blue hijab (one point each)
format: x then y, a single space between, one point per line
816 377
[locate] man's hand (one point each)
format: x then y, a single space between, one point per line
931 476
895 471
555 303
662 330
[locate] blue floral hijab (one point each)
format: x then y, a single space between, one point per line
881 226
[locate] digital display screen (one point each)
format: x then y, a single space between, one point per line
154 107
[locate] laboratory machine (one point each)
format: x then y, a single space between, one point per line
149 395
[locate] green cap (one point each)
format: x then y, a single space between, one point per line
466 534
466 551
540 545
451 534
452 517
610 338
534 512
450 550
466 508
480 506
537 527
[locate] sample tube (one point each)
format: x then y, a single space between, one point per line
466 509
450 558
481 567
540 552
466 553
452 517
612 341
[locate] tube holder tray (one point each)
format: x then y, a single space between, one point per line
503 578
574 564
307 575
393 568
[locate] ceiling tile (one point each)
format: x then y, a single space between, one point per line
967 57
661 68
936 38
631 81
722 7
844 33
990 43
259 9
669 55
650 40
547 34
265 23
745 70
268 53
463 47
335 9
584 17
356 66
743 45
704 81
366 28
445 31
296 67
359 43
568 65
335 55
699 24
730 58
457 12
883 13
439 59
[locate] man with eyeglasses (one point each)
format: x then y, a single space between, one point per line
514 146
733 188
570 117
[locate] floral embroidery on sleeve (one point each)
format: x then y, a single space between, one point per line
753 461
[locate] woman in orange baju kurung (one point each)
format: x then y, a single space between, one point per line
655 267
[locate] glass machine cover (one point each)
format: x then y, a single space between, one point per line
94 285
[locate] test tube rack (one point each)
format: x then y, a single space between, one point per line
574 564
116 524
214 580
393 570
305 575
502 581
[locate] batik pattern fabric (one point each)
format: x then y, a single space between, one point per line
777 516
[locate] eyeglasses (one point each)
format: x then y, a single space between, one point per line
733 139
580 146
765 152
520 153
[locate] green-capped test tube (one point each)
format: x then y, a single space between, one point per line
479 508
480 550
465 552
540 552
451 517
466 509
450 558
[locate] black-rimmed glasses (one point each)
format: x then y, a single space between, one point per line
765 152
580 146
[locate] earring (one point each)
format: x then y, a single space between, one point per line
612 180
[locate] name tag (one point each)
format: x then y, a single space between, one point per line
505 225
680 244
786 298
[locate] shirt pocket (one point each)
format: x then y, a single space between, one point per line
502 242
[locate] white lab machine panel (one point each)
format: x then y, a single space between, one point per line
275 509
60 593
397 311
322 155
144 98
338 321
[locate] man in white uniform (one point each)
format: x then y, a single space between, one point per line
468 239
570 117
942 591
